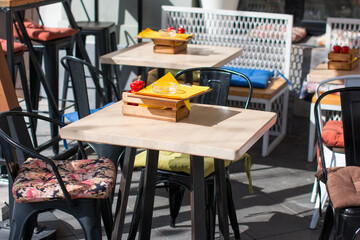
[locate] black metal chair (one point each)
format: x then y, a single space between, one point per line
342 216
83 103
40 183
219 81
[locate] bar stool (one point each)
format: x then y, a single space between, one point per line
47 43
105 42
19 50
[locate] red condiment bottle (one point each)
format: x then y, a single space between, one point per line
137 85
345 49
336 49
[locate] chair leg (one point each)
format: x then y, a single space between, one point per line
88 215
328 223
176 194
136 215
113 45
232 210
107 216
66 82
29 227
27 97
20 216
349 222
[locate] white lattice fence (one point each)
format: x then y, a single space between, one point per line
264 38
342 31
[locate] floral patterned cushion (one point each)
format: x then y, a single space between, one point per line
89 178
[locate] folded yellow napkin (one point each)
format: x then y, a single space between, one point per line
148 33
183 91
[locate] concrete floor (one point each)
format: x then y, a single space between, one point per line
279 208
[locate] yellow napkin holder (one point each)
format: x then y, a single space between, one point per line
169 45
166 107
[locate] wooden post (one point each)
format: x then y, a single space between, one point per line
8 98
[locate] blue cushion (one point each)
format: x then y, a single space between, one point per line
258 77
74 116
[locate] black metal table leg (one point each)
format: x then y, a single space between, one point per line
123 195
221 198
197 195
147 203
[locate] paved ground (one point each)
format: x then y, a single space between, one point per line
280 207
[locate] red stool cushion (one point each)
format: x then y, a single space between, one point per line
333 135
18 47
41 33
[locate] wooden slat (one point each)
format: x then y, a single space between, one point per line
8 99
16 3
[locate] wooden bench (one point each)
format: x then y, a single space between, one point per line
265 39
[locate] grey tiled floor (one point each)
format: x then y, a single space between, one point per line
280 207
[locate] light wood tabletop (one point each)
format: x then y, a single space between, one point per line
211 131
142 55
321 73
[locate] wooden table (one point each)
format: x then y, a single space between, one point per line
142 55
332 103
209 131
321 72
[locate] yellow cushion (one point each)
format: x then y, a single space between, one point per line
176 162
180 162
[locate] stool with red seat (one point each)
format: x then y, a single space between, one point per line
19 50
47 43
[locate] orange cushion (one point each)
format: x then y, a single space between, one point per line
41 33
333 134
17 46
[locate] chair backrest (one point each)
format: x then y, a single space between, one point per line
77 70
16 142
218 79
350 110
334 83
342 31
265 38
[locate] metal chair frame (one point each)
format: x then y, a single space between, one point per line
343 223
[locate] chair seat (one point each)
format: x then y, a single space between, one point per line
333 134
18 47
85 25
343 181
40 33
89 178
